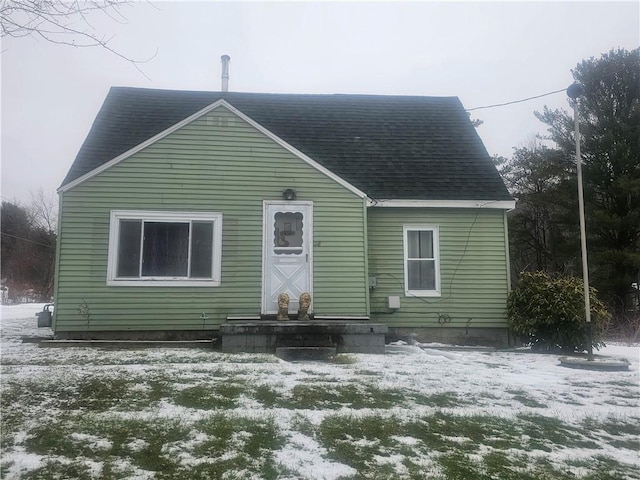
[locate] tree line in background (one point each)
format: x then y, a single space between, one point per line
544 227
28 249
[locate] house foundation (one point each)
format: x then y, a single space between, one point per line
487 337
139 335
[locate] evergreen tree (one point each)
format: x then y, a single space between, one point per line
542 231
609 116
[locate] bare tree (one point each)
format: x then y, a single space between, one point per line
27 250
63 22
44 209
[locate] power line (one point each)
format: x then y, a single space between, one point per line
27 240
516 101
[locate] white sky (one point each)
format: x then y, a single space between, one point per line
484 53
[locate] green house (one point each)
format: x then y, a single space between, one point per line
184 209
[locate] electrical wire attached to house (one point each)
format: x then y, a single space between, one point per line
445 298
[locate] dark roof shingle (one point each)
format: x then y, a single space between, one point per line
390 147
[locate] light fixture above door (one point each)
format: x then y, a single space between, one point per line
289 194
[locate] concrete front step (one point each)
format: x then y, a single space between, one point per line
306 354
266 337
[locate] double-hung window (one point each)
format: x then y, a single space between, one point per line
164 248
421 261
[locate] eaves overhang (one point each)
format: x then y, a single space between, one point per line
399 203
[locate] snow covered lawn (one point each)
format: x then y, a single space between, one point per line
412 413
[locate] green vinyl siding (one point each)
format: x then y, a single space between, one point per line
473 267
217 163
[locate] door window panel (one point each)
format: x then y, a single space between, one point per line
288 233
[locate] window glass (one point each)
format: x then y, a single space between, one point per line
422 270
165 249
129 248
422 274
201 249
420 244
288 233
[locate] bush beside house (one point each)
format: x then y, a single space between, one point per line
547 312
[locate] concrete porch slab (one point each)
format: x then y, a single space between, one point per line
306 354
266 337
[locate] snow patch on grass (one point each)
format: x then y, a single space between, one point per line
306 457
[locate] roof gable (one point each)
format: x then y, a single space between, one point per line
389 147
219 103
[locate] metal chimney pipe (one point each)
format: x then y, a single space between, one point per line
225 72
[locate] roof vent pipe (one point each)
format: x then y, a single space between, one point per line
225 72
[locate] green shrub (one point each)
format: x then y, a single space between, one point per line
547 313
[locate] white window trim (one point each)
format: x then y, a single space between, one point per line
436 253
152 215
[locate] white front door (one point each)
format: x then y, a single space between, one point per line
287 258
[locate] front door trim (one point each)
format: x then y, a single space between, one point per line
267 225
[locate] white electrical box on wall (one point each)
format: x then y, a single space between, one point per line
393 301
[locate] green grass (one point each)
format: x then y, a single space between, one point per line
330 396
99 393
54 468
618 433
217 443
319 394
266 395
209 396
458 446
215 420
344 359
521 396
442 400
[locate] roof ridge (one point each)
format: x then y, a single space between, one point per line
283 94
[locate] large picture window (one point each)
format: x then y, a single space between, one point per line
164 248
421 260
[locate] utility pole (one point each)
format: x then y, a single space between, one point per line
575 91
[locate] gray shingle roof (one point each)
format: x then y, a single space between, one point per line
390 147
